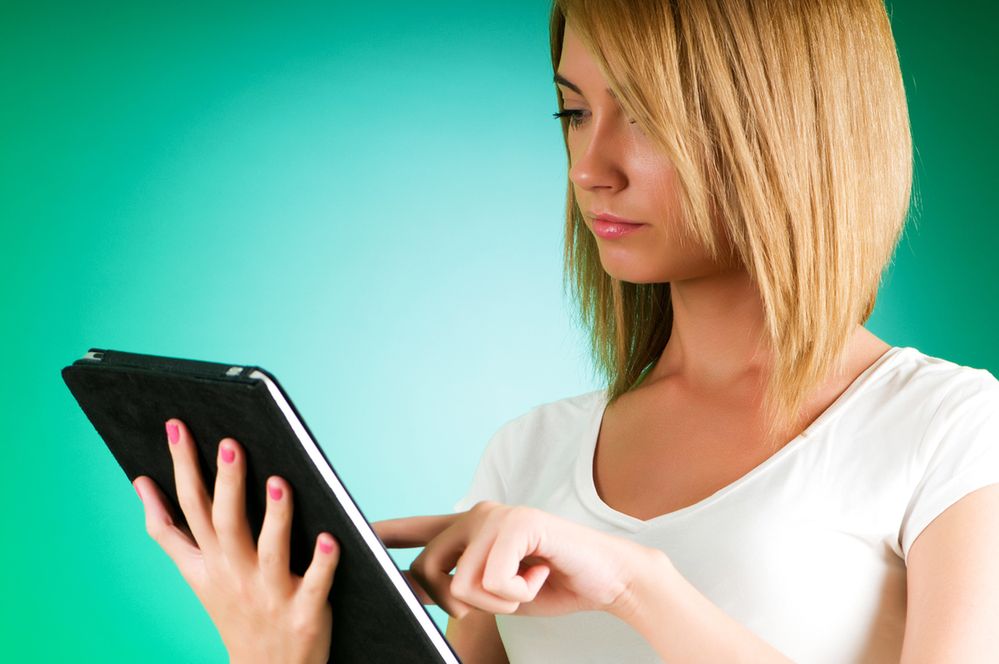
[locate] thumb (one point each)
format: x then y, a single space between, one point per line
417 588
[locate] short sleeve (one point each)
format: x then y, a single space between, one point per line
487 481
962 444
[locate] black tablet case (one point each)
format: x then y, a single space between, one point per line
129 396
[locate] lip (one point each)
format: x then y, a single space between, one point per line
611 226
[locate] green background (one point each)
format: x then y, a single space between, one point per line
368 203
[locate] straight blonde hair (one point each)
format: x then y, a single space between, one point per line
786 122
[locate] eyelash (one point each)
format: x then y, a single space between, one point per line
574 116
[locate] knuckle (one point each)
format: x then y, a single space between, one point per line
483 506
155 529
224 517
312 592
189 503
269 558
419 564
308 591
242 589
521 514
492 584
459 586
303 627
184 499
418 572
215 568
224 526
274 607
516 512
509 607
462 593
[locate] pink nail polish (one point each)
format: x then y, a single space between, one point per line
228 454
325 546
275 492
172 432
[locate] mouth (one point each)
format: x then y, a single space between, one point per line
607 225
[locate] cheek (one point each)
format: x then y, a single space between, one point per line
668 251
659 187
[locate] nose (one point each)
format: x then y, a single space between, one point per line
596 157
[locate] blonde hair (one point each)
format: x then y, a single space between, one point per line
786 122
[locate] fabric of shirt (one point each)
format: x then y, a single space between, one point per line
808 549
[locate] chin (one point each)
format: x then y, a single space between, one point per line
635 266
634 272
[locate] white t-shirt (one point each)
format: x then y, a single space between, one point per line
808 549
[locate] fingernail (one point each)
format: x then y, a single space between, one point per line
172 432
324 545
275 491
137 491
228 454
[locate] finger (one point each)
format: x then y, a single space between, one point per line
229 508
191 493
152 498
501 573
417 589
432 570
176 542
409 532
467 581
273 553
318 579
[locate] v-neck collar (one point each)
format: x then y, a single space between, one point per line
586 487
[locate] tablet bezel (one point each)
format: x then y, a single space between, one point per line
360 522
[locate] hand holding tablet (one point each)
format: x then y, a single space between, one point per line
376 615
262 611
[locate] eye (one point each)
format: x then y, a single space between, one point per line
575 117
573 114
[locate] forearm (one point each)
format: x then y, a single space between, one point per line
681 623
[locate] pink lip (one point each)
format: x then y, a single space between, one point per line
609 226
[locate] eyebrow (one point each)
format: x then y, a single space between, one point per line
559 79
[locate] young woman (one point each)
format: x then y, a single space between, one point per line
762 478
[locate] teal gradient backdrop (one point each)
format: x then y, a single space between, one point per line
368 202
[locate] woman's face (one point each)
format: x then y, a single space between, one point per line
615 169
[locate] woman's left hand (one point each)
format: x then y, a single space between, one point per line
518 560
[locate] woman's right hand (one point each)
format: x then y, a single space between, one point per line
262 611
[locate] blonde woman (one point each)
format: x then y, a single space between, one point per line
762 479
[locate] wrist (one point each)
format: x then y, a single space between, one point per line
647 567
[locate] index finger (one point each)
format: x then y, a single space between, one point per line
412 531
194 500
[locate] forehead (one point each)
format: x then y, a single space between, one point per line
576 63
578 70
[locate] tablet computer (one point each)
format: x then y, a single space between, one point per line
128 396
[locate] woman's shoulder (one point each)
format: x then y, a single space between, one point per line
550 425
926 398
558 413
926 379
534 449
